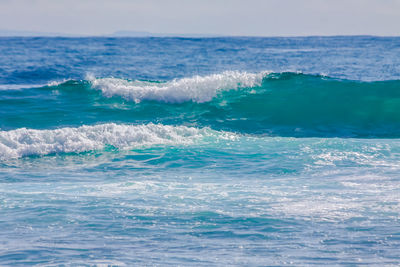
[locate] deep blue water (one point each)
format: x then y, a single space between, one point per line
203 151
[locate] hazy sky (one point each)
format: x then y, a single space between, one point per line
227 17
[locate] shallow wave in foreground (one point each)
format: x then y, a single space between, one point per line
28 142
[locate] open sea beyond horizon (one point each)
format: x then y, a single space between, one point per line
200 151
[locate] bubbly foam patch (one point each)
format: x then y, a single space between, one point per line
26 142
197 89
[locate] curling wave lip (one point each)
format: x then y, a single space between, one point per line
197 89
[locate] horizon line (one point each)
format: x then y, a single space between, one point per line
145 34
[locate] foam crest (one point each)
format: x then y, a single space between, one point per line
197 89
27 142
6 87
57 82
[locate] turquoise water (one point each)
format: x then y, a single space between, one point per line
215 151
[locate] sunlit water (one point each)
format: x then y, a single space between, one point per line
220 151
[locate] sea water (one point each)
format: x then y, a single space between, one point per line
200 151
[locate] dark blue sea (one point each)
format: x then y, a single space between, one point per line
200 151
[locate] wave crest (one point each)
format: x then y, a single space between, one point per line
197 89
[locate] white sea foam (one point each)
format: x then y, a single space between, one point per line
197 89
57 82
25 142
5 87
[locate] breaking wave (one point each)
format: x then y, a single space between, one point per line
277 104
197 89
27 142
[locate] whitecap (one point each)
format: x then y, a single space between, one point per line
197 89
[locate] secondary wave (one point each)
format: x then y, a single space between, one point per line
27 142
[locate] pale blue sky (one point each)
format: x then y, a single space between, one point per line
228 17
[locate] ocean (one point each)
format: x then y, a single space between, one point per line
199 151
